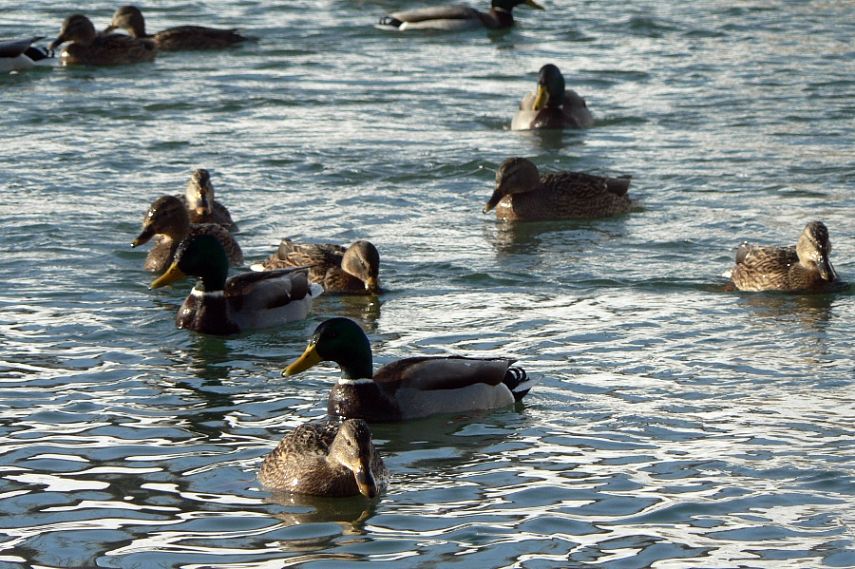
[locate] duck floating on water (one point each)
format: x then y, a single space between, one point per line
180 38
351 270
20 54
243 302
522 194
199 200
168 222
407 388
803 268
328 457
455 17
88 47
552 106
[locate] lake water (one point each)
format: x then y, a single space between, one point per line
675 424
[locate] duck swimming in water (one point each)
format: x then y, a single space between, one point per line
180 38
88 47
803 268
328 457
522 194
408 388
455 17
20 54
552 105
201 206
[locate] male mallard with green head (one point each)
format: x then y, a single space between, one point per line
407 388
199 200
167 221
20 54
456 17
354 270
329 457
805 267
88 47
130 18
244 302
522 194
551 105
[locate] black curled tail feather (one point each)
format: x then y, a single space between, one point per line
518 382
390 21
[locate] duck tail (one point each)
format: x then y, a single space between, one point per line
390 21
518 382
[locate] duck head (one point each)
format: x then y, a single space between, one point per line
76 28
362 260
509 5
200 193
130 19
550 88
166 215
200 256
338 340
352 448
814 250
514 176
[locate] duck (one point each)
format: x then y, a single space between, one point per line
455 17
522 194
199 200
552 106
248 301
340 270
803 268
88 47
168 221
20 54
327 457
180 38
409 388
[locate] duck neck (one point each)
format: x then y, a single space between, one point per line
357 368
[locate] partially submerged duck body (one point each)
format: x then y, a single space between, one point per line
20 54
803 268
552 106
201 206
522 194
351 270
409 388
328 457
88 47
248 301
168 223
455 17
180 38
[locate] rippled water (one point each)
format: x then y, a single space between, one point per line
675 425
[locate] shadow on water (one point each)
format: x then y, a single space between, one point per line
528 237
812 312
351 514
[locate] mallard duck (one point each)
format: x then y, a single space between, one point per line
130 18
21 54
90 48
805 267
408 388
329 457
522 194
201 206
456 17
354 270
551 106
167 221
243 302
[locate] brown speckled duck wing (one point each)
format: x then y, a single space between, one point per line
432 373
319 257
233 250
577 194
196 37
111 49
221 216
302 449
763 268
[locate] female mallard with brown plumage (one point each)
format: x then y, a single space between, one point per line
354 270
88 47
328 457
199 200
408 388
130 18
522 194
448 18
552 105
221 305
805 267
167 221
